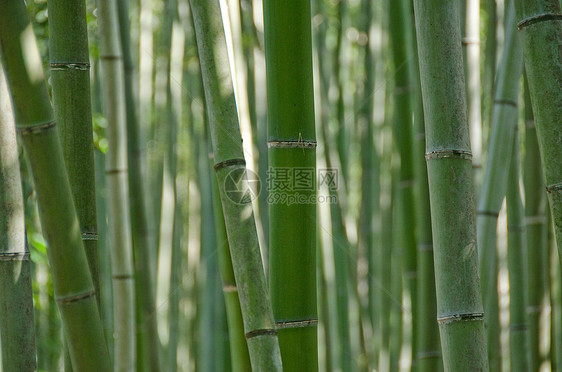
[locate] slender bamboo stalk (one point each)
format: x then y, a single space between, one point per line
428 358
536 229
17 327
459 306
144 246
516 261
402 40
540 26
503 126
240 358
292 149
72 281
259 325
118 190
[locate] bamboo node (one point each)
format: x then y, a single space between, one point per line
297 323
39 128
557 187
123 276
75 298
229 288
260 332
14 256
229 162
115 171
515 228
521 327
468 317
470 41
89 236
505 101
428 355
535 220
68 66
538 18
488 213
305 144
425 247
449 153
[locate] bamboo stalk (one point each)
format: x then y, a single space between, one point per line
16 302
428 358
144 246
69 64
536 229
516 261
540 26
459 306
259 325
292 149
72 282
402 51
503 126
118 189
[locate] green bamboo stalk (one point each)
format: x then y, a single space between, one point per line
259 325
69 64
240 359
540 26
106 290
144 246
504 123
428 358
17 327
516 261
292 144
72 281
401 35
536 229
70 78
117 186
342 265
449 166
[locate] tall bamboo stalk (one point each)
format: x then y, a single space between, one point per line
144 246
259 325
536 229
69 63
117 186
17 327
449 166
518 329
72 281
292 149
239 356
504 123
428 358
540 26
70 78
402 52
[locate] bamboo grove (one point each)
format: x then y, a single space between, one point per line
265 185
